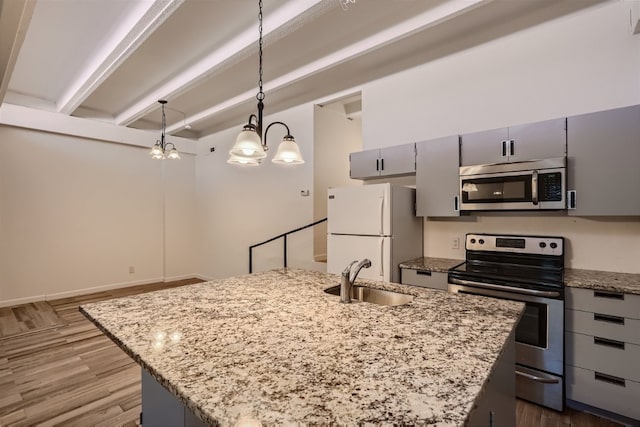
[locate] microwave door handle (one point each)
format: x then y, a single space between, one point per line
534 187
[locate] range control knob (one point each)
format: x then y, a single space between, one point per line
481 241
543 245
553 245
472 240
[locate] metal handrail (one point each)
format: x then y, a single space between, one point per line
280 236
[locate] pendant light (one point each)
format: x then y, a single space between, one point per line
159 150
251 145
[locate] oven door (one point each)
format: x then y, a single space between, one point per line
539 340
540 332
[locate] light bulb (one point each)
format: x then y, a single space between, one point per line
248 151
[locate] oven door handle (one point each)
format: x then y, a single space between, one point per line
550 294
537 379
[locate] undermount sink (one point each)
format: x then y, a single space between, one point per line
374 296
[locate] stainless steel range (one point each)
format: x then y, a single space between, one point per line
528 269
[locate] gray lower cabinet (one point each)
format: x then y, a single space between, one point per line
603 152
531 141
160 408
437 177
496 404
424 278
602 350
390 161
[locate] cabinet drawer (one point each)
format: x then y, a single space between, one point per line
605 302
603 355
603 325
428 279
590 387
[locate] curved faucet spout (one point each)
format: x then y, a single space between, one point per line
365 263
348 278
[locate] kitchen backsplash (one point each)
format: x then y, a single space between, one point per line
603 243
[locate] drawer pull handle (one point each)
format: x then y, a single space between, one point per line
608 318
609 295
599 376
423 272
609 343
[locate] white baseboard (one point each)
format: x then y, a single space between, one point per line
182 277
84 291
203 277
19 301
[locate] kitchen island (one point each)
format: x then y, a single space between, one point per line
273 348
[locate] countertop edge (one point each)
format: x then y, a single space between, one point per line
144 365
628 283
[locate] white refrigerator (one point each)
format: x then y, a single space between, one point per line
375 221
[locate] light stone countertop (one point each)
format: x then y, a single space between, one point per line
274 347
602 280
440 265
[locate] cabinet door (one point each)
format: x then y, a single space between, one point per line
541 140
398 160
603 150
437 177
486 147
364 164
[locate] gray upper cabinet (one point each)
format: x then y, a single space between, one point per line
437 179
390 161
603 154
532 141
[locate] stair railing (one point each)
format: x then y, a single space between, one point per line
280 236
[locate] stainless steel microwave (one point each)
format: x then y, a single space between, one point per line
531 185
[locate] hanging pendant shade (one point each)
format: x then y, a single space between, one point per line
242 161
288 152
248 145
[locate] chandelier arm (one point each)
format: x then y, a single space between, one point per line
288 135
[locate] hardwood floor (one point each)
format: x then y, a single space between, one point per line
70 374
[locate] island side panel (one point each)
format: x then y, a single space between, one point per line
496 404
161 408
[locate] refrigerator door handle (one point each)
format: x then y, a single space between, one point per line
381 215
381 259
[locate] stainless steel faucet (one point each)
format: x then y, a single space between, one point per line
347 279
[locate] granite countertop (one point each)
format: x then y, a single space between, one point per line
602 280
440 265
274 347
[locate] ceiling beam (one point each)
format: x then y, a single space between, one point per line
133 31
15 16
207 65
420 22
47 121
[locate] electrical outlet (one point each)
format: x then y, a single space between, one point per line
455 243
132 269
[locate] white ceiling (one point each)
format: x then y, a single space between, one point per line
112 60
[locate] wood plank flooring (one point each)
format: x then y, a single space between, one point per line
72 375
28 318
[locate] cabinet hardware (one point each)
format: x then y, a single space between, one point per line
534 187
609 295
599 376
504 148
423 272
377 164
456 204
608 343
381 164
512 147
571 199
608 318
